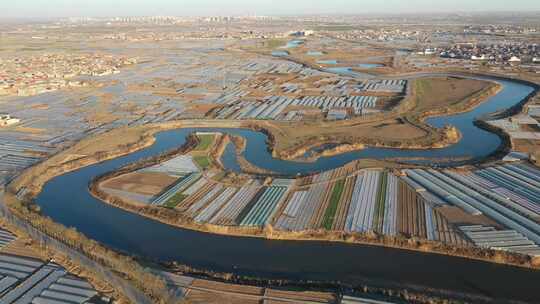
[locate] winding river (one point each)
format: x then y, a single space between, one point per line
475 144
66 200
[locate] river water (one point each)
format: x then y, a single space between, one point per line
66 200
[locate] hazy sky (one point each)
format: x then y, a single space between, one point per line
64 8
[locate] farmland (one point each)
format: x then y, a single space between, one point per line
272 151
202 161
330 212
28 273
425 204
205 141
175 200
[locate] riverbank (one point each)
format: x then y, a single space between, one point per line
97 149
404 127
87 152
145 140
178 219
128 278
240 144
107 146
199 123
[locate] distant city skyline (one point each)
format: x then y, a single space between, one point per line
107 8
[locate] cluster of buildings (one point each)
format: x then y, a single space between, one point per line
160 20
204 31
499 29
381 34
27 76
500 53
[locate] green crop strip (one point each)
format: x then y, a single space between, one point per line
330 212
204 143
175 200
202 161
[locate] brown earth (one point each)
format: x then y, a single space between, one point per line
218 286
146 183
528 146
320 297
443 92
457 216
205 297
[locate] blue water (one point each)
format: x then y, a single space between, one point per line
66 200
475 144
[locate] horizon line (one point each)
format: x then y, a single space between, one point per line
374 13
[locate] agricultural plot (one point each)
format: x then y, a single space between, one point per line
177 166
417 217
205 141
195 186
175 200
299 297
330 213
423 203
274 107
522 186
356 300
203 161
353 204
263 209
390 206
156 185
478 193
301 208
228 215
35 282
140 183
380 203
362 208
294 203
507 240
204 200
441 188
386 86
344 204
198 195
411 213
180 185
24 279
330 199
495 193
206 214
